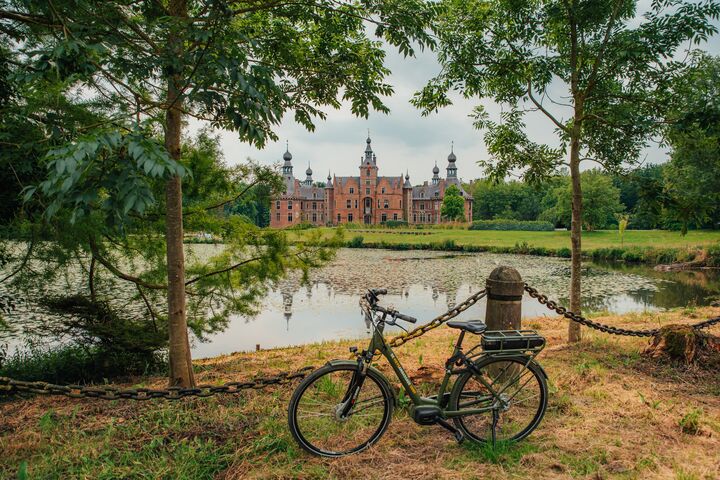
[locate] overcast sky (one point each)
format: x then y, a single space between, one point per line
402 140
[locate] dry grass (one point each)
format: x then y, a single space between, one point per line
612 414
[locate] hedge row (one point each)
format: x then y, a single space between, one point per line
529 225
710 256
450 246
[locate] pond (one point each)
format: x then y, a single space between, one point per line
424 284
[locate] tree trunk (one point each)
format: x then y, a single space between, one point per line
574 334
181 373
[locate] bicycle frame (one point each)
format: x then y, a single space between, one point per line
378 343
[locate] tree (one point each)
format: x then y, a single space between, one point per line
692 177
453 204
614 68
601 202
236 65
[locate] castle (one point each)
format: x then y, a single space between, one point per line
367 199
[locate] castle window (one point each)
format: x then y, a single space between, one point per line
394 216
386 204
349 204
414 217
355 203
277 216
339 218
350 217
314 205
367 182
290 217
422 206
367 191
378 203
422 194
277 204
437 194
352 190
382 190
289 204
383 218
314 217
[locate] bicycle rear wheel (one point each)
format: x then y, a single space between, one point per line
315 413
521 385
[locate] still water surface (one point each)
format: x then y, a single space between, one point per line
424 284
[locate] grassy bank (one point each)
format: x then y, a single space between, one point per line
612 414
639 246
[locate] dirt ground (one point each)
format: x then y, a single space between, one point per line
612 414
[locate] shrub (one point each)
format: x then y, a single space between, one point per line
712 256
301 226
356 242
564 252
78 364
396 223
500 224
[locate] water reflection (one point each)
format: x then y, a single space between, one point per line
425 284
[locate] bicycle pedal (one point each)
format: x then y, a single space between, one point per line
459 437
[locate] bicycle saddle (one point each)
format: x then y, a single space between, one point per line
473 326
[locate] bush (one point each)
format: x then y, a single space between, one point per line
356 242
396 223
712 256
78 364
529 225
301 226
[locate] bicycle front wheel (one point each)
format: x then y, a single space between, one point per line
325 421
512 393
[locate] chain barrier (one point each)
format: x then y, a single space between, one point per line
434 323
575 317
10 386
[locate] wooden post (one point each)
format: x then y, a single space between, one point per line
505 289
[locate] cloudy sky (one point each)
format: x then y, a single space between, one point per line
402 140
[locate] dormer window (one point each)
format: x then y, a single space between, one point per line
422 194
352 190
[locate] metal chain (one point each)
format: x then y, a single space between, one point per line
10 386
575 317
437 321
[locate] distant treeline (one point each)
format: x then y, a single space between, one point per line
646 197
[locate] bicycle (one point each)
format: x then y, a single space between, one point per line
499 392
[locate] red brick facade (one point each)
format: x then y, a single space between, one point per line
367 198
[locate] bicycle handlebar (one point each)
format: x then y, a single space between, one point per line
394 313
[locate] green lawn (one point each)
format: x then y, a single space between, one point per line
557 239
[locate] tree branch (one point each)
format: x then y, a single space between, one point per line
118 273
224 270
544 110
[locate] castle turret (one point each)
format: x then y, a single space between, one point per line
329 201
451 167
308 176
407 198
287 170
436 175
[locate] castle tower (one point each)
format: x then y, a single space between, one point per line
451 167
407 198
368 184
436 176
308 176
329 201
287 170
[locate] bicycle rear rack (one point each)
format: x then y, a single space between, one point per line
512 341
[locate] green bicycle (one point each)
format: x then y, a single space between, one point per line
499 393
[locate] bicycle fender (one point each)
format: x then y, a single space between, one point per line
381 376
